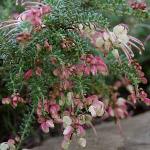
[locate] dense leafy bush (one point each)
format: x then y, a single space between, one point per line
67 62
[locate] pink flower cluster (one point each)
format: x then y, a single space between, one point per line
134 93
96 107
74 123
13 100
141 74
63 72
93 64
144 97
90 64
48 112
35 14
119 108
138 5
29 73
117 105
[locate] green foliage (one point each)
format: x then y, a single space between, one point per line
26 125
6 7
117 7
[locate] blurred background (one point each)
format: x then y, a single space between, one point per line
9 117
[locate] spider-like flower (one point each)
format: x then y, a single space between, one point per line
33 15
106 40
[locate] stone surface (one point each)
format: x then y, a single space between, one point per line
136 136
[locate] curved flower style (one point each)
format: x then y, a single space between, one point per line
105 40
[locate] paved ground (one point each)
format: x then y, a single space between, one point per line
136 136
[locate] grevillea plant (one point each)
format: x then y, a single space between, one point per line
66 64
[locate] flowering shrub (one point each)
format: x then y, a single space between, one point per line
63 62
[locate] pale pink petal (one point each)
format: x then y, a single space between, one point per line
45 127
50 123
147 100
68 130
